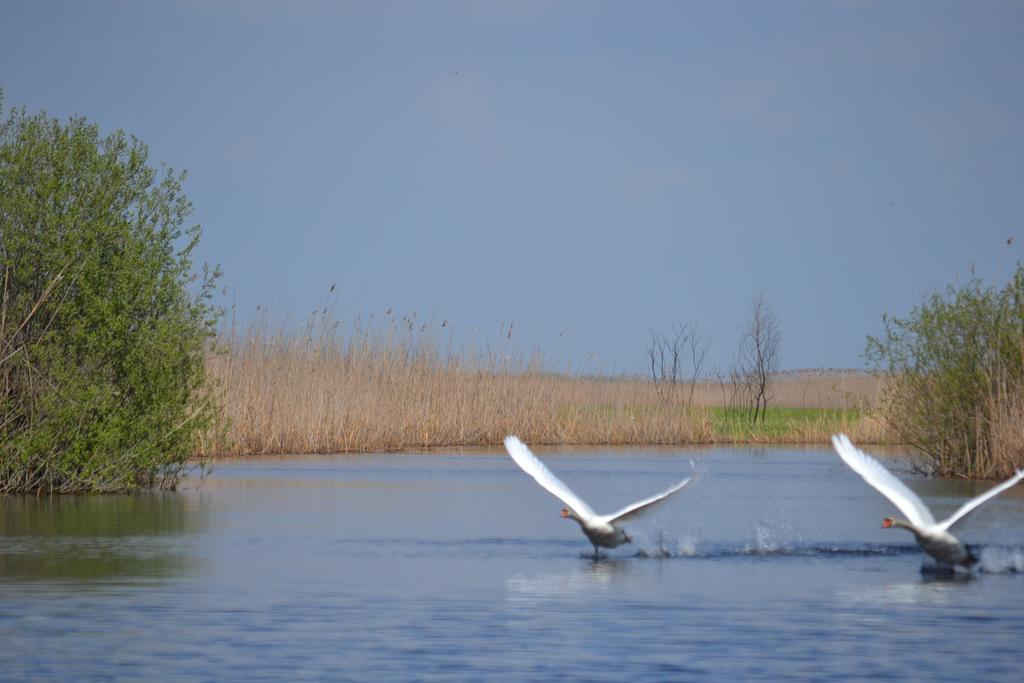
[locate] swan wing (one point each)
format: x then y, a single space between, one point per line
640 507
974 503
530 464
883 481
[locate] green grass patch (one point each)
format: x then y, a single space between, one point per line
780 424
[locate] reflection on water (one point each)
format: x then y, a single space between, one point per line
593 576
935 590
95 537
457 566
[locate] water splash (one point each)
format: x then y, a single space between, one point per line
1001 560
664 546
686 547
767 547
766 539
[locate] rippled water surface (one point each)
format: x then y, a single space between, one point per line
458 566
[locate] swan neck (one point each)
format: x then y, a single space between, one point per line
571 514
903 524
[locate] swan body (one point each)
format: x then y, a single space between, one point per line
601 530
933 537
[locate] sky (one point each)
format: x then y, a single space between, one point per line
587 171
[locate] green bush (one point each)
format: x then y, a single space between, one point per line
103 327
957 369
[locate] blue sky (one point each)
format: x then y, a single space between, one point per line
586 170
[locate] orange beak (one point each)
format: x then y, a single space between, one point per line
887 523
565 512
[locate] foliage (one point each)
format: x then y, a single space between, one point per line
104 327
957 363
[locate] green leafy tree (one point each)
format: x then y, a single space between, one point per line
104 326
957 377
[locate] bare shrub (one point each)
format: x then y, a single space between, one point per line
757 358
669 353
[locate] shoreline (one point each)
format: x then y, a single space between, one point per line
864 428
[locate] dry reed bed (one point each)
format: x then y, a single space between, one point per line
836 389
317 393
293 400
1005 450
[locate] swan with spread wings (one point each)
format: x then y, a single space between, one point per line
601 530
933 537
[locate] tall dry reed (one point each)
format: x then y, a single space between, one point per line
1006 435
399 386
812 388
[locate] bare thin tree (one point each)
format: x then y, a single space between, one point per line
699 347
758 356
663 353
668 353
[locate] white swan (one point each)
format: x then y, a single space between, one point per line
933 537
601 530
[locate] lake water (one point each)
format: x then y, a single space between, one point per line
458 566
